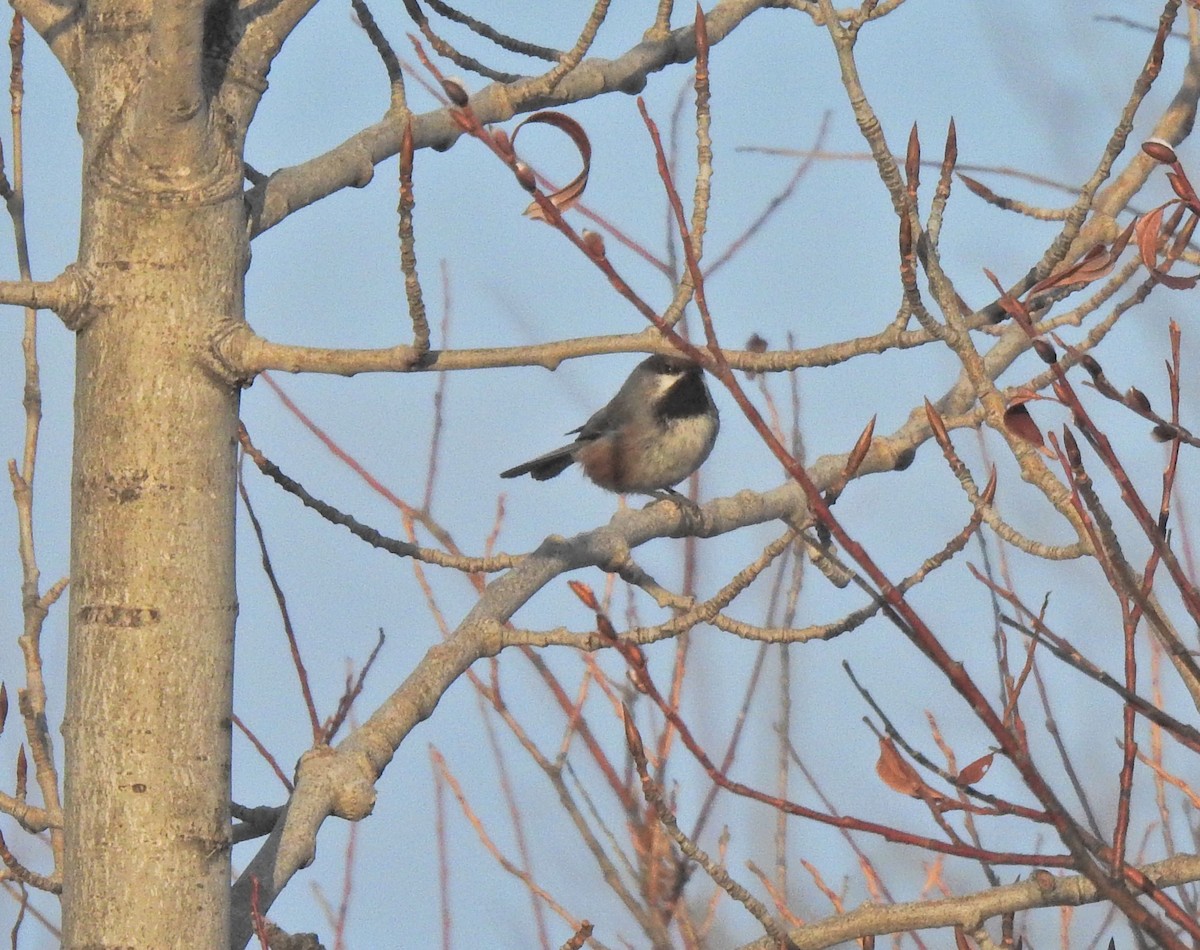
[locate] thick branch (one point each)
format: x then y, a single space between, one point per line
266 27
242 354
170 124
352 163
64 294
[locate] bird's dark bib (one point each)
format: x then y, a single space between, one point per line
687 398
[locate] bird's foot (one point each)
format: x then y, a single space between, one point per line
670 494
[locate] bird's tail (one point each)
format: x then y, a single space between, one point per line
545 466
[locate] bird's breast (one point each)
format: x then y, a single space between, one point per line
648 463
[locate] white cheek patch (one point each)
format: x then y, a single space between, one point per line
663 382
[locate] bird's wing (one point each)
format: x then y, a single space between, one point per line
595 427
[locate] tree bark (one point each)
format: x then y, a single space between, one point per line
147 727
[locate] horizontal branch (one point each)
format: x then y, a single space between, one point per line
63 294
351 164
1043 889
243 354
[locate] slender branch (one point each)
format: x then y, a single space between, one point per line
61 26
1043 889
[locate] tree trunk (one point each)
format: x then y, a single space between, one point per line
153 603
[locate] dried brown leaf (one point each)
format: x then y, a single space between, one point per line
1096 263
571 192
1184 237
1146 230
897 772
1009 303
972 773
1182 186
1174 282
1171 223
900 776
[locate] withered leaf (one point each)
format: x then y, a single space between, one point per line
1146 229
972 773
900 776
570 193
1174 282
1096 263
1183 188
897 773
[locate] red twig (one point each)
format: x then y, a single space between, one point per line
262 750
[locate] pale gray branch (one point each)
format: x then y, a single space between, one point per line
351 164
64 294
172 108
970 910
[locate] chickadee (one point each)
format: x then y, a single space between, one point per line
656 431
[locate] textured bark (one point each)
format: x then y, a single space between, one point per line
153 604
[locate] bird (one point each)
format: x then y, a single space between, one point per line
658 429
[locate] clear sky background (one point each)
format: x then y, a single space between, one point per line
1034 86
